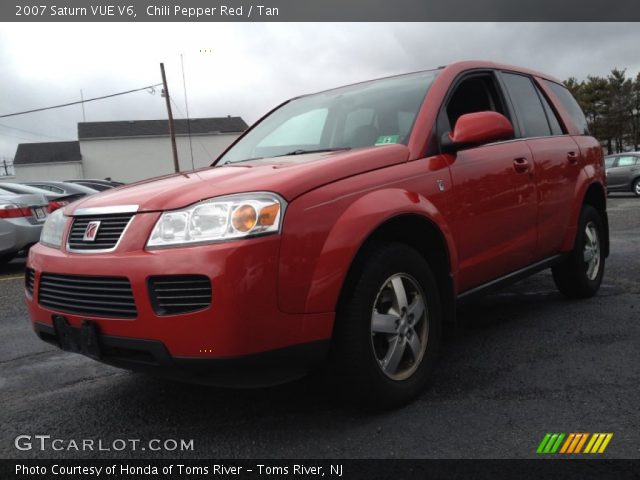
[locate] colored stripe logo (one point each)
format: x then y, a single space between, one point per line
574 443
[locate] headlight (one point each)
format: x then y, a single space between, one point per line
53 229
221 218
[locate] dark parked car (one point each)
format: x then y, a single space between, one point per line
623 172
96 184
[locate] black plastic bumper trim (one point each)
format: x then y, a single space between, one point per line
257 370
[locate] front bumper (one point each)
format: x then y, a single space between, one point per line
18 233
243 319
151 356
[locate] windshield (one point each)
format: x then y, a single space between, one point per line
378 112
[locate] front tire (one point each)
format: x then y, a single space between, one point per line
388 327
636 187
580 274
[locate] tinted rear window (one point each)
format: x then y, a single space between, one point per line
556 129
571 106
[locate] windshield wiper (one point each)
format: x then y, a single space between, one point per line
321 150
295 152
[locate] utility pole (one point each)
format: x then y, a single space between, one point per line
172 132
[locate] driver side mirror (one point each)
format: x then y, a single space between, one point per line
477 128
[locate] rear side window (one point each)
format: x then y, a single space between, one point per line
529 109
626 161
608 162
556 129
570 105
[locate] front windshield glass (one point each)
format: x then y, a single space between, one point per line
378 112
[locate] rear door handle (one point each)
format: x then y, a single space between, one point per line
572 157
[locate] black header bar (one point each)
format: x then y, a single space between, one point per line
321 11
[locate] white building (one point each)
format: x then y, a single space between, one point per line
127 151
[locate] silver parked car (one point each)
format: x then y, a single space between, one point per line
20 189
623 172
21 220
62 188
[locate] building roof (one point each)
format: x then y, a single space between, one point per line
47 152
154 128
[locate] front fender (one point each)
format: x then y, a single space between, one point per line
314 265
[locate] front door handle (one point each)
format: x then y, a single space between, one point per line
521 165
572 157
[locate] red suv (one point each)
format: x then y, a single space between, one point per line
342 228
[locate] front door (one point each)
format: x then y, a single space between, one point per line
495 204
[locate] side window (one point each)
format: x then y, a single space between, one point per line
533 120
475 94
556 129
626 161
608 162
50 188
570 105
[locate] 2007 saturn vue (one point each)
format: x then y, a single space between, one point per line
341 229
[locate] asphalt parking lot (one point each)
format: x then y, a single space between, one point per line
524 362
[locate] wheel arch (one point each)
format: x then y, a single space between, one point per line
596 196
425 236
588 191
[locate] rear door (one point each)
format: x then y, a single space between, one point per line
556 157
494 194
622 172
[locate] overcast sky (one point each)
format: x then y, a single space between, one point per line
247 68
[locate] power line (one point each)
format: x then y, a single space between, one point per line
29 132
79 102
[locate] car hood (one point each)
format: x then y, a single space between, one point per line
289 176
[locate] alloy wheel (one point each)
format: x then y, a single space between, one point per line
591 251
399 326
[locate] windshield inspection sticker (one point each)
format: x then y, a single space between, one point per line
387 140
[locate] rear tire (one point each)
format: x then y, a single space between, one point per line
580 274
388 328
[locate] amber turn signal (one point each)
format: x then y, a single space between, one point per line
269 215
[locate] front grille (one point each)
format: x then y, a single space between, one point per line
29 280
109 232
172 294
91 296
